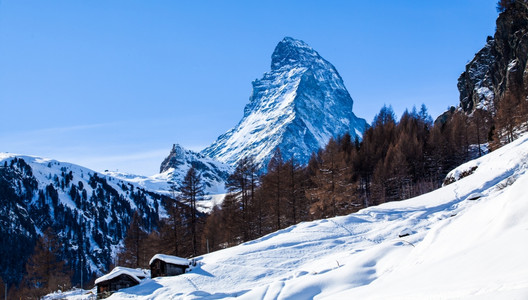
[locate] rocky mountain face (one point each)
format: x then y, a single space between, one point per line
297 106
500 66
89 212
213 173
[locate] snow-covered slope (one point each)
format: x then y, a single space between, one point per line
455 248
297 106
89 211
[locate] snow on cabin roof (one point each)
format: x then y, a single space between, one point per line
175 260
135 274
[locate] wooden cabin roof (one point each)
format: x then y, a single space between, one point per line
175 260
137 275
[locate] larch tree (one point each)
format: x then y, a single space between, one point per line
191 191
334 189
241 185
273 184
45 271
134 252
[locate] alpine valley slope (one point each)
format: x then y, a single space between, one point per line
297 106
90 212
455 248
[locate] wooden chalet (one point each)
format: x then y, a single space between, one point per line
167 265
119 278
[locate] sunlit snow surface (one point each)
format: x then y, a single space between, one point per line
457 248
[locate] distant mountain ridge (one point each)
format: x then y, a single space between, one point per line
297 106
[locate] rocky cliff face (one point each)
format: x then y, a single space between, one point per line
179 161
500 66
297 106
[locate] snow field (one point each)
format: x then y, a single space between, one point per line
458 248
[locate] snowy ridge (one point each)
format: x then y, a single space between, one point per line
297 106
45 169
89 210
456 248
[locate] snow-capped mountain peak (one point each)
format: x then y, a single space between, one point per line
290 51
297 106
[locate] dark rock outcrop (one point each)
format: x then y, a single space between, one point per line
500 67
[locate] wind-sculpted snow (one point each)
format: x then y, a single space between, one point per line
297 106
452 247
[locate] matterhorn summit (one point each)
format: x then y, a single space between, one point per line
297 106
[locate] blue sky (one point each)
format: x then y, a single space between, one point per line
113 84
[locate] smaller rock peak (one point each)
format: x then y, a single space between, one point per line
290 51
177 148
176 157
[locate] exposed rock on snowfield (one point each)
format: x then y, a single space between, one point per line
213 173
297 106
500 66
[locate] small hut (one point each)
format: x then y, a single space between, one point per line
167 265
119 278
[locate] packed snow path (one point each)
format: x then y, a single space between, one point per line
455 248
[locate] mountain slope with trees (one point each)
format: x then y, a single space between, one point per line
86 213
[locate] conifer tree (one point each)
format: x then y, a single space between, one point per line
191 191
134 252
507 118
45 272
214 231
334 189
173 230
241 185
273 183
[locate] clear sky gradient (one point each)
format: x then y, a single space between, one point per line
113 84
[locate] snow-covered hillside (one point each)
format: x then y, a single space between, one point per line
455 248
90 212
297 106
